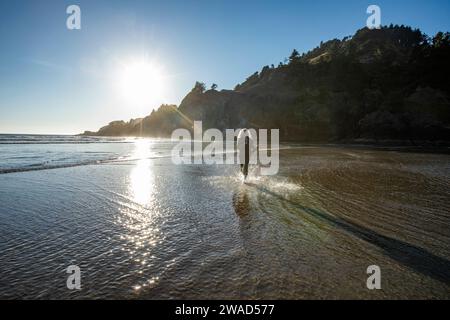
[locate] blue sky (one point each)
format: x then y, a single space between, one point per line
55 80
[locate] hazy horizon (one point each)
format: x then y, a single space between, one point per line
60 81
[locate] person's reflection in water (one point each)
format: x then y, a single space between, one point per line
241 202
249 238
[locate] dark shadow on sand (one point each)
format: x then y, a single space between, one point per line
416 258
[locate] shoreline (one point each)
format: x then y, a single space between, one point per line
426 146
420 146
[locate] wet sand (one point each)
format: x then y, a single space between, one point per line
147 229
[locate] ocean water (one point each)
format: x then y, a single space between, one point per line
38 152
140 227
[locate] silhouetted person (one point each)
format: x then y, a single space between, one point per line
244 166
245 146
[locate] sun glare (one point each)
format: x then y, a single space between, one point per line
142 82
141 177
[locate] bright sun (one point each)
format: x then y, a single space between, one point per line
142 82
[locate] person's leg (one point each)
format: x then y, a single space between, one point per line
245 171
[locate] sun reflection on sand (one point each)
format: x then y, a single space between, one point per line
141 177
140 215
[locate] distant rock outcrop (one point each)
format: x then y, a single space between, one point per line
391 83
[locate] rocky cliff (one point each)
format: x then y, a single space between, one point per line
390 83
